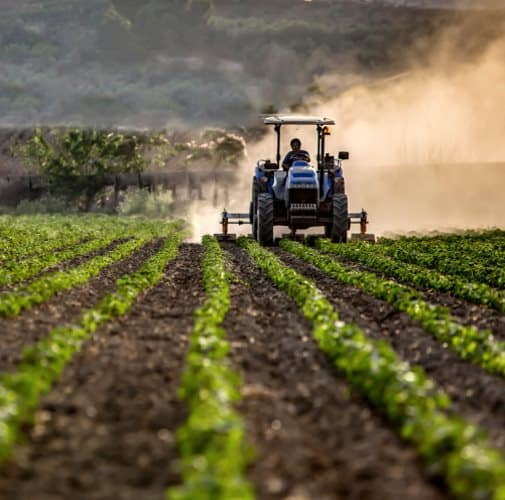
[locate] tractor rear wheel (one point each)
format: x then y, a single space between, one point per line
340 218
265 219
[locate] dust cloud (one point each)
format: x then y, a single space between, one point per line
427 146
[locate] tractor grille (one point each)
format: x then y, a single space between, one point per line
303 196
302 207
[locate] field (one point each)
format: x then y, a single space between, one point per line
135 365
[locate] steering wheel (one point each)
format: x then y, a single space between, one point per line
301 157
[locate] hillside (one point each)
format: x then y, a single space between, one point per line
152 63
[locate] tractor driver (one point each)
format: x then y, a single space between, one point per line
295 154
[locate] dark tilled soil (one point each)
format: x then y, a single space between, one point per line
313 438
36 322
107 429
476 395
465 312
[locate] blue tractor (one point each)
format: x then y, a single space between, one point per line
302 197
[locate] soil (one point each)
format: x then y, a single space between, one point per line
475 394
36 322
106 431
313 437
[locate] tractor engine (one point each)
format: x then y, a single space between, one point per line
302 196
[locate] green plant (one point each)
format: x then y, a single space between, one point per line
451 447
75 161
211 443
12 303
42 364
416 275
478 346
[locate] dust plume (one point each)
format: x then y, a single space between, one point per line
427 146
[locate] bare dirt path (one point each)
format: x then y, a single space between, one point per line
36 322
313 438
476 395
107 429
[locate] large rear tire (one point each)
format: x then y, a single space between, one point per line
265 219
340 218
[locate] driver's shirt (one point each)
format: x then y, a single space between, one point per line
292 156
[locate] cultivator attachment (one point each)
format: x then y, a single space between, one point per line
228 218
361 218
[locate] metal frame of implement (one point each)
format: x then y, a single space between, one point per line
240 219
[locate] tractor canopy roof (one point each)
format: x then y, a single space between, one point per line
297 120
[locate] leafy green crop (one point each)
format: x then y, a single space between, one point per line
212 445
451 447
22 236
478 293
43 363
459 258
478 346
12 303
15 272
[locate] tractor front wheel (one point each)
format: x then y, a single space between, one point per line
265 219
340 218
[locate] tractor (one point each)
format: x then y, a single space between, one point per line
303 196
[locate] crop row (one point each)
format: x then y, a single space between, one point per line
42 363
495 236
211 443
451 447
458 263
12 303
478 293
489 251
22 237
16 272
478 346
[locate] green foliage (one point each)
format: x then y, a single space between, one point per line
42 364
37 235
375 258
46 204
211 443
451 447
478 346
459 258
74 160
13 302
15 272
142 202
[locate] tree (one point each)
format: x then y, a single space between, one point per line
75 162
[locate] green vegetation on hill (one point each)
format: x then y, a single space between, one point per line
112 62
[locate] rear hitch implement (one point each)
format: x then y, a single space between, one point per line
361 218
228 218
